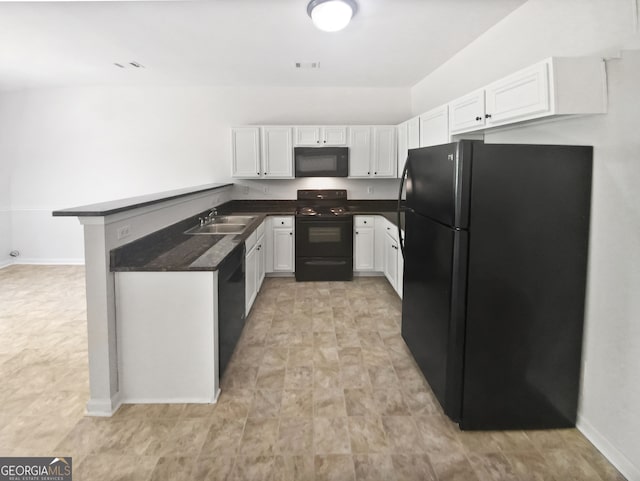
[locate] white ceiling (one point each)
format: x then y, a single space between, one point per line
390 43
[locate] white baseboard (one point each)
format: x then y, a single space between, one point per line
615 457
6 263
103 407
367 274
211 400
50 262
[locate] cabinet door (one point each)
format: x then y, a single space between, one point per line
283 249
384 151
245 152
403 149
334 135
359 151
250 279
467 113
413 133
277 153
434 127
519 96
307 135
391 260
260 262
364 243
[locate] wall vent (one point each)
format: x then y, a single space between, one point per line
307 65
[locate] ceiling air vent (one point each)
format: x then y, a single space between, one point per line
129 65
307 65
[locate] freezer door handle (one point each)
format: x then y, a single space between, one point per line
402 181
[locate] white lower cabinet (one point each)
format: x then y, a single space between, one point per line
280 244
393 262
254 266
250 280
376 249
364 243
391 259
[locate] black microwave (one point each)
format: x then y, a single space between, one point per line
321 161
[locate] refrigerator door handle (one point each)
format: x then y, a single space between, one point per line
402 181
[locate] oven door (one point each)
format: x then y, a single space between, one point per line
324 237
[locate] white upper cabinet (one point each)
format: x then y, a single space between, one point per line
277 152
262 152
555 86
413 133
384 151
434 126
312 135
245 148
402 135
360 146
467 113
372 151
519 95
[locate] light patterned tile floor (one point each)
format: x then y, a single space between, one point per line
321 387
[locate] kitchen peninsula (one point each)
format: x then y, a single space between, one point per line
141 239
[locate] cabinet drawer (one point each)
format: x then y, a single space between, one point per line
282 221
363 220
392 230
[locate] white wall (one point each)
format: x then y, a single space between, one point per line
610 393
536 30
5 200
77 146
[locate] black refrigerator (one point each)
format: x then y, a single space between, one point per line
496 243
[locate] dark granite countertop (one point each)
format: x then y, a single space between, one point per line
170 249
121 205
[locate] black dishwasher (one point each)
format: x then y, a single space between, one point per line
231 313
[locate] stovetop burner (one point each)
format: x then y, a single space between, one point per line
322 203
322 211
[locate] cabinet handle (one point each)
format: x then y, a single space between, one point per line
487 116
357 232
368 173
258 173
478 118
317 141
265 173
364 221
282 222
324 141
290 233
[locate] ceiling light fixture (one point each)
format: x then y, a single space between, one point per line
331 15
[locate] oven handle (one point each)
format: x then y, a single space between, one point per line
325 263
403 178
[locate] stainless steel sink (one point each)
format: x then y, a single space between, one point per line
232 219
223 224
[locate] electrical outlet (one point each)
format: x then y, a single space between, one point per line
369 189
124 231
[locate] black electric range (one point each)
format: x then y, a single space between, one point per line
324 236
